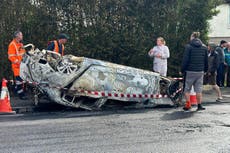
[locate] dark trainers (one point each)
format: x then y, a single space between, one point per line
23 98
200 107
219 99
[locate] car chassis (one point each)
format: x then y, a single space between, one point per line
86 83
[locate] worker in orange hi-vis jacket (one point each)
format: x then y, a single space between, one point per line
15 54
58 45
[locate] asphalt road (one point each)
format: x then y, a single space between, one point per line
161 130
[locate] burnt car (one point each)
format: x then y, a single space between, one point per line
87 83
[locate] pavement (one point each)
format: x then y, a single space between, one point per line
26 106
210 96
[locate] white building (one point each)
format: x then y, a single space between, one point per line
220 24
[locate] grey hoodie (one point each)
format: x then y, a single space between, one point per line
220 52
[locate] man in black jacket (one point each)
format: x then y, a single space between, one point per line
213 64
220 69
194 65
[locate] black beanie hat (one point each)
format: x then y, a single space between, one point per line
63 36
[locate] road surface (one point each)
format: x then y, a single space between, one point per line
159 130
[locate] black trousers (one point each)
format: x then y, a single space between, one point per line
19 86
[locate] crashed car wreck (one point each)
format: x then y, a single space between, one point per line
86 83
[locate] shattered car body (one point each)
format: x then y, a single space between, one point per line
89 83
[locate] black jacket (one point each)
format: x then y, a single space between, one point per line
220 52
213 62
195 57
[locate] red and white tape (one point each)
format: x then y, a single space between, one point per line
121 95
29 82
106 94
178 78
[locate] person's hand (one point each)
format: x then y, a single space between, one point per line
159 55
151 52
17 61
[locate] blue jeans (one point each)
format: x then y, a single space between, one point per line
220 75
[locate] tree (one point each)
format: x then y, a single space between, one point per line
119 31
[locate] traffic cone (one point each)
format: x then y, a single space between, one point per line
193 99
5 107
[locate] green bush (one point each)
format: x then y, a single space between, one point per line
120 31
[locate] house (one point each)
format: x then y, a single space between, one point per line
220 24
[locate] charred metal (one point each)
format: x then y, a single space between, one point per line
86 83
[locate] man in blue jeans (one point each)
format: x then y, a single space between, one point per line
227 63
220 70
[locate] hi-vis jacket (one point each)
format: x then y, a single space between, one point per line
56 47
15 53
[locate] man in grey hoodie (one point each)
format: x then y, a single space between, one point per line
220 70
194 65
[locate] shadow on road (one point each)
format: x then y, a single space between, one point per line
177 115
55 111
69 113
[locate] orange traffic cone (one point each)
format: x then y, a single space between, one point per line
5 107
193 99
